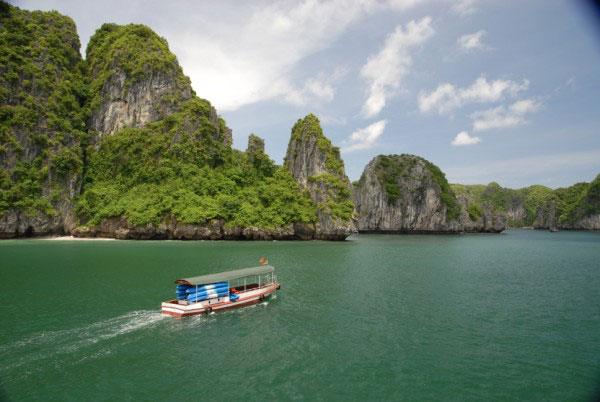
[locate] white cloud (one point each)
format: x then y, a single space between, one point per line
525 106
502 117
250 60
314 90
385 70
471 41
248 56
365 138
447 97
463 138
403 4
320 89
497 117
333 120
464 7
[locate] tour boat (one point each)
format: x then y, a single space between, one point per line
222 291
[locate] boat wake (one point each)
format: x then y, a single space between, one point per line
53 345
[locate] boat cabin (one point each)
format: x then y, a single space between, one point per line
221 291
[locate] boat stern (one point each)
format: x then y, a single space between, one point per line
180 308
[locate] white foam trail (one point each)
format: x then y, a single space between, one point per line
50 344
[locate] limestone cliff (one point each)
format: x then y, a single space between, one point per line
256 147
407 194
135 80
121 146
540 207
571 208
41 122
317 167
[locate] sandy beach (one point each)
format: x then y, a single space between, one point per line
69 238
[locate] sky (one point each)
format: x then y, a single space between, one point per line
488 90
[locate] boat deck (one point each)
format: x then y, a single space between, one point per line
252 294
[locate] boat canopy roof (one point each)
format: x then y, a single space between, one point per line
227 276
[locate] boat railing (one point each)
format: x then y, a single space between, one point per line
271 281
253 282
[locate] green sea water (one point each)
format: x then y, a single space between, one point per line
514 316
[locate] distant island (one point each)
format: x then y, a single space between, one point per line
119 145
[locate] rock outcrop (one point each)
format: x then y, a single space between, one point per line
479 218
548 216
136 80
171 229
127 91
545 215
576 207
317 167
407 194
256 146
41 125
590 222
572 208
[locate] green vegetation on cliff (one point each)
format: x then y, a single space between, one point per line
338 203
392 169
330 187
504 200
475 211
590 200
133 50
182 166
162 170
311 127
538 205
42 121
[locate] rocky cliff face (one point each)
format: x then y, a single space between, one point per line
590 222
140 103
572 208
407 194
540 207
317 167
41 123
548 217
136 80
171 229
545 217
516 215
479 218
256 147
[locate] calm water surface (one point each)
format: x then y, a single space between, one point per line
514 316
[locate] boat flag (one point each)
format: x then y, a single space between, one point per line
263 261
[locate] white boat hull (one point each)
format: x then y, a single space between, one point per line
180 308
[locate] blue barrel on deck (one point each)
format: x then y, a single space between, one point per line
220 285
180 291
207 296
233 297
219 289
209 293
